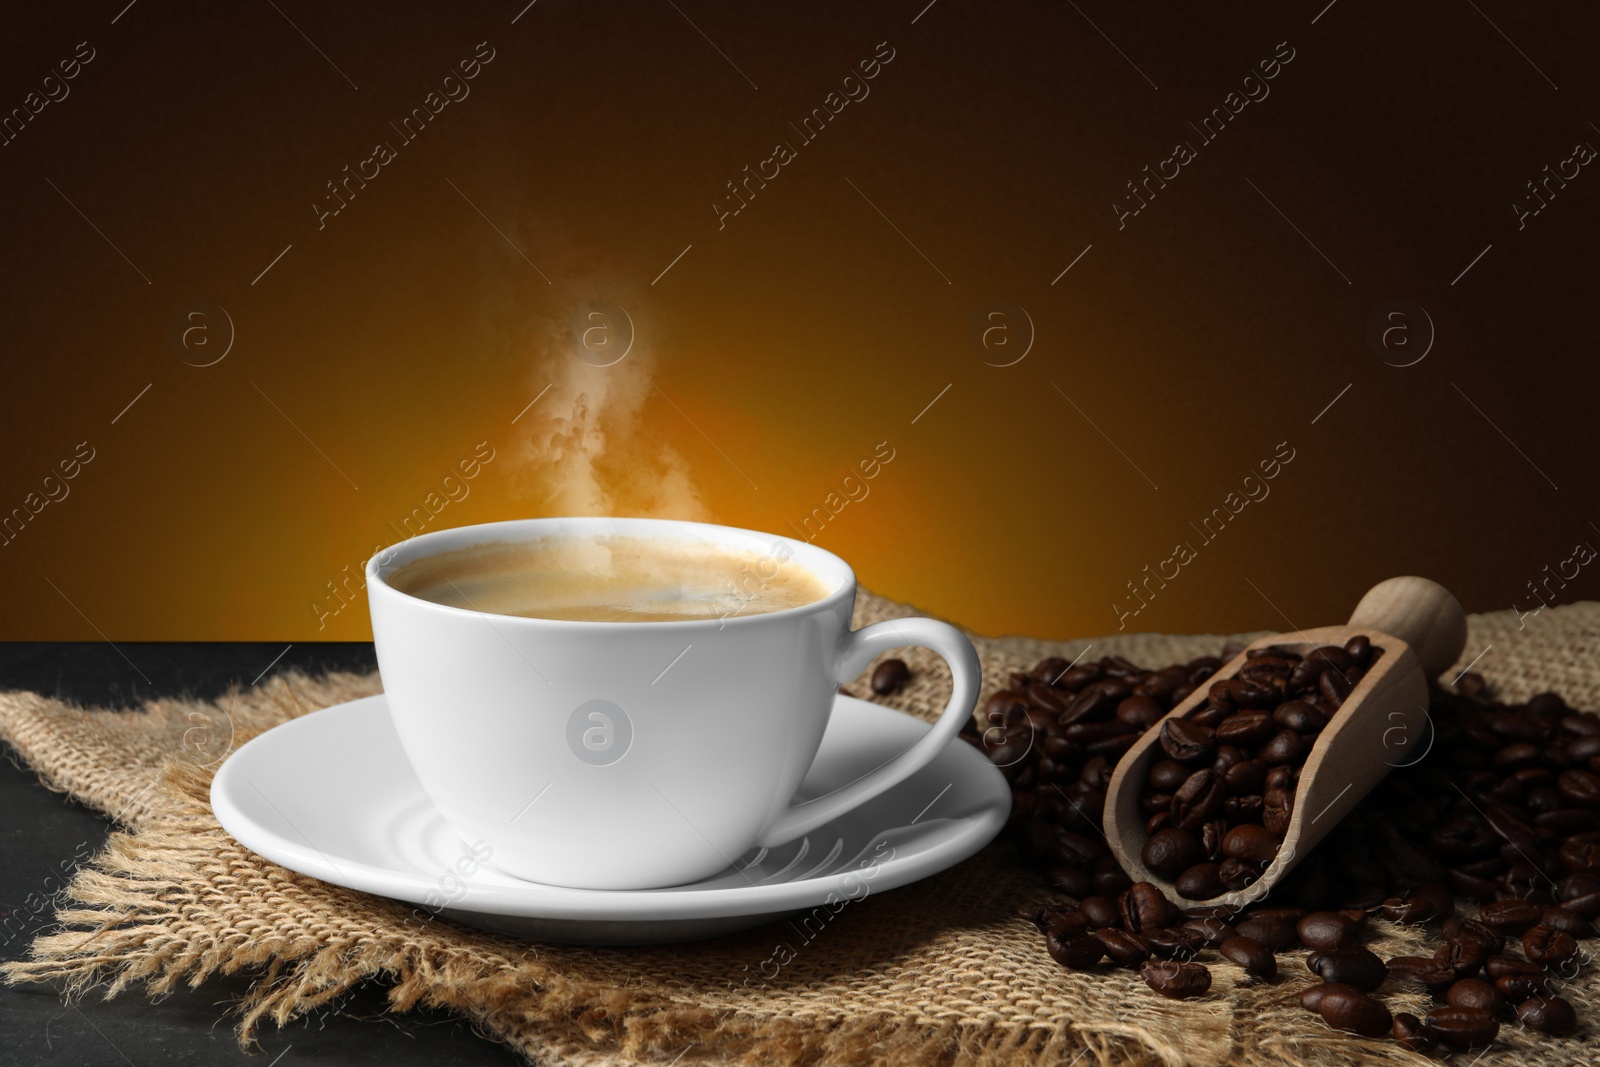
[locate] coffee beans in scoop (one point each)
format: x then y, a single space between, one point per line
1220 800
1489 845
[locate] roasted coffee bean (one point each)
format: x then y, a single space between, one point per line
1464 956
1122 948
1213 931
1248 728
1326 930
1077 953
1185 741
1246 776
1411 1034
1211 835
1140 711
1088 705
1176 942
1334 687
1144 908
1359 649
1420 969
1285 746
1242 809
1547 946
1237 874
1275 934
1250 843
1250 954
1344 1007
1062 919
1073 881
1311 997
1455 929
1568 922
1300 716
1198 799
1110 879
1510 916
1462 1027
1355 965
1199 882
1280 778
1175 979
1499 966
1549 1015
1581 787
1100 911
1475 993
1157 804
1579 855
890 676
1411 910
1519 987
1277 808
1167 775
1170 852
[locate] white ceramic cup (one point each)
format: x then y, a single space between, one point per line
635 755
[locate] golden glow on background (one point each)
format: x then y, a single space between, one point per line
781 349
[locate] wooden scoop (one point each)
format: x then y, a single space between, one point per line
1420 628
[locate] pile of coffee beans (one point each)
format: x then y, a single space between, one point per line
1498 817
1056 732
1219 800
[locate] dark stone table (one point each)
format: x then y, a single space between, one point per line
39 829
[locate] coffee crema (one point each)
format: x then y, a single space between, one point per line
617 579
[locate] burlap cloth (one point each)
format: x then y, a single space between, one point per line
944 971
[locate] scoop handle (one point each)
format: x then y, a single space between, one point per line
1422 613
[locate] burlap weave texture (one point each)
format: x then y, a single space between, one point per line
942 972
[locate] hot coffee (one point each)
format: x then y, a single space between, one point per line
614 579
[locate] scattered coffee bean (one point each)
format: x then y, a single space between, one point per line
1420 969
1568 922
1510 916
1475 993
890 676
1456 929
1547 946
1464 956
1462 1027
1549 1015
1175 979
1326 930
1412 1035
1213 931
1275 934
1345 1007
1078 953
1354 966
1122 948
1144 908
1250 954
1519 987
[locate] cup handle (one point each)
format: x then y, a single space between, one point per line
860 646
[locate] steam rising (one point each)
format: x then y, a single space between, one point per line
585 447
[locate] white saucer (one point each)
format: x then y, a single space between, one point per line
332 796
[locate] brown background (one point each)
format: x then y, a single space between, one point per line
778 351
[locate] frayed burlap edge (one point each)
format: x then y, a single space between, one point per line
174 900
